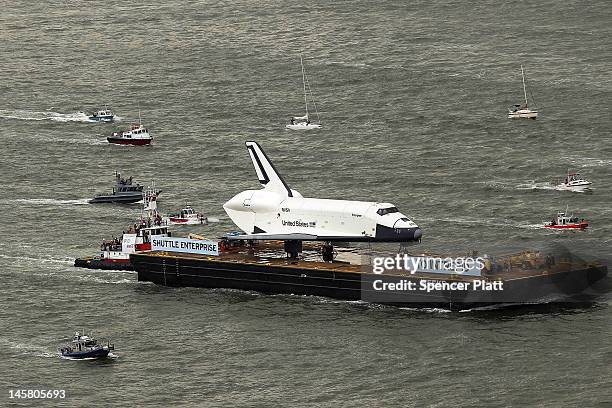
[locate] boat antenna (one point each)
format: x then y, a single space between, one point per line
524 88
139 118
304 85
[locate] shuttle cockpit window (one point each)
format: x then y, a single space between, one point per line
385 211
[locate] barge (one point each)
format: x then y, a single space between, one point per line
529 277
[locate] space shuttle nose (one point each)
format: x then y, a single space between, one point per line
236 203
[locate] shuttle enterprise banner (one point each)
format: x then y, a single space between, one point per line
191 246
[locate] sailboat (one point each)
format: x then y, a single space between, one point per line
303 122
523 111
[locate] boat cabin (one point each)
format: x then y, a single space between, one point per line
127 188
563 219
573 178
185 212
146 232
143 238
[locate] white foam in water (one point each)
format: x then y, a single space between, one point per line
546 186
54 116
39 259
50 201
588 161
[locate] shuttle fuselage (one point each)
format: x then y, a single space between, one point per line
278 212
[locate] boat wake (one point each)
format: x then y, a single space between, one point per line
20 114
110 355
485 222
27 349
39 116
68 261
532 186
109 281
588 161
547 186
47 201
426 309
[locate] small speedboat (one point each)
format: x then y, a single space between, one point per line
102 115
187 216
564 221
136 135
83 346
573 182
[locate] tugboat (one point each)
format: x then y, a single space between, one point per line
564 221
83 346
573 182
115 253
124 192
102 115
187 216
136 135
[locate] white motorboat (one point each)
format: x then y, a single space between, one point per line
573 182
102 115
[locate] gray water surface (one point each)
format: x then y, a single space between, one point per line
413 98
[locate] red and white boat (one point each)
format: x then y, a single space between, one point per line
187 216
115 253
564 221
136 135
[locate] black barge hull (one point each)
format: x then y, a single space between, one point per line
98 263
300 279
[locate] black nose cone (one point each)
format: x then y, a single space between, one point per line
388 234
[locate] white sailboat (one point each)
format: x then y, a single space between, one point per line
303 122
523 111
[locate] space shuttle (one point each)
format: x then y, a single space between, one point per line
280 213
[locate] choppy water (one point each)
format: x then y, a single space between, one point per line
413 98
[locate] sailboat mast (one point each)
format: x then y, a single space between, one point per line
524 88
304 84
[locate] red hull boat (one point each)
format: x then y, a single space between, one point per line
136 135
580 225
564 221
123 141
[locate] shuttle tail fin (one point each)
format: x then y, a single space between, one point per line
267 174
